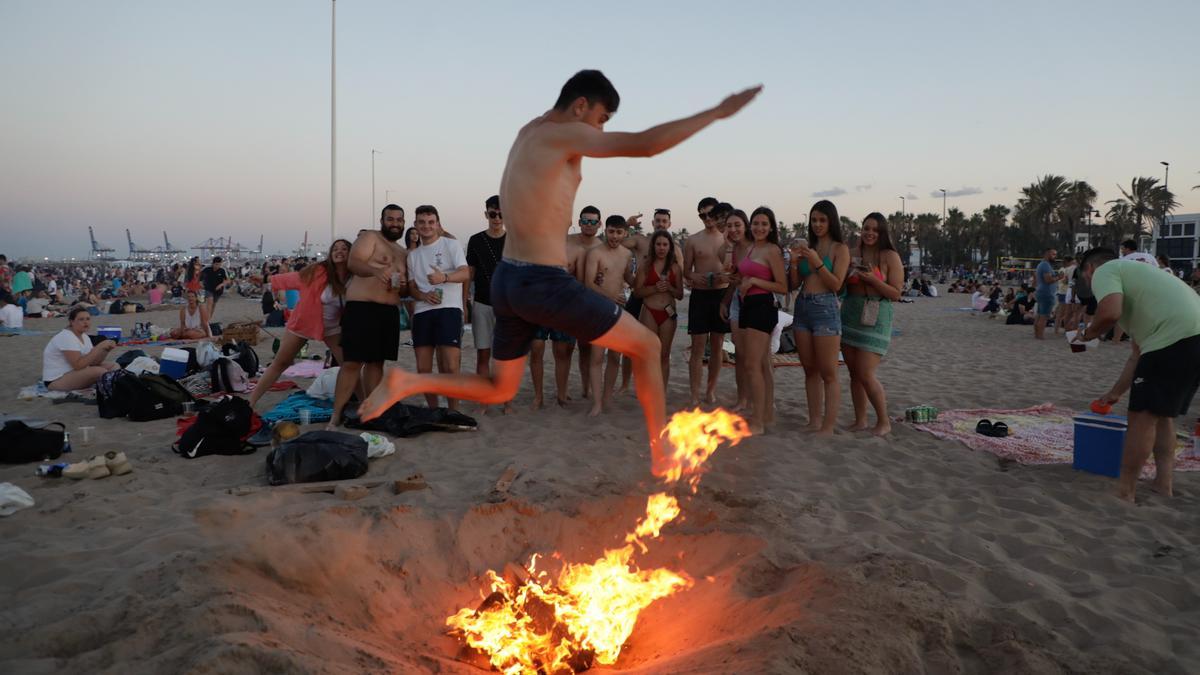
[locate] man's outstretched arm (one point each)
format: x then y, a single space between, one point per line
585 140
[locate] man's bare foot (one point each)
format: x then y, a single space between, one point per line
395 387
537 403
883 428
596 409
1126 496
824 433
563 402
1164 490
711 398
757 429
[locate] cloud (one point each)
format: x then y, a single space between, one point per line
911 197
910 185
862 188
961 192
1000 189
831 192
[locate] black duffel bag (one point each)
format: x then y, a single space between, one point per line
21 443
317 456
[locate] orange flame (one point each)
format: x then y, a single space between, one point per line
587 612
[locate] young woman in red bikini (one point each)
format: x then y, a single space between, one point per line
659 283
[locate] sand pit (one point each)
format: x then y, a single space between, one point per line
850 554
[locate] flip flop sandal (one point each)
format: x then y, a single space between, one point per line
984 427
999 430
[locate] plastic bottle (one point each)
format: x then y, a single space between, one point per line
1195 449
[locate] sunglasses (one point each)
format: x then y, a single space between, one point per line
589 221
493 214
705 215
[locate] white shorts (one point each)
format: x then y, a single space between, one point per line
483 324
1070 296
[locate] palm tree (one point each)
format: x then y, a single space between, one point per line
1043 199
925 227
995 219
1118 222
1148 202
1078 203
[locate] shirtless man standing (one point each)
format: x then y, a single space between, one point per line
531 286
704 269
371 318
607 272
585 239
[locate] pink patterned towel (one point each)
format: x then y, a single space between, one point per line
1043 434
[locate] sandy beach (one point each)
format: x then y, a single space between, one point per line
853 554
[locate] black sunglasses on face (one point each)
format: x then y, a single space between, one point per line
493 214
589 221
705 215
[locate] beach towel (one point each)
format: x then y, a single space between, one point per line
308 368
39 390
1043 434
289 409
11 332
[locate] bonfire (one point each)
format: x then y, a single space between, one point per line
531 621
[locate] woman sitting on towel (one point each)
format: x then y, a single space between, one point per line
70 361
193 320
317 316
873 285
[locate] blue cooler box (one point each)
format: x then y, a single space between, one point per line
173 363
110 333
1099 441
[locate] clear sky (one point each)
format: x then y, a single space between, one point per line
212 118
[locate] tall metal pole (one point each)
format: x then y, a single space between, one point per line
373 153
332 120
943 206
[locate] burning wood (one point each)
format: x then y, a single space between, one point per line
532 622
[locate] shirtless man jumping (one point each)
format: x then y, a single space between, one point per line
531 286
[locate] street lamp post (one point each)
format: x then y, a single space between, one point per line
332 119
373 153
1162 222
943 206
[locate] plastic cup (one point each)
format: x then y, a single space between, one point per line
396 280
305 417
189 409
86 433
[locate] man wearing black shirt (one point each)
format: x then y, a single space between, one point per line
484 251
215 280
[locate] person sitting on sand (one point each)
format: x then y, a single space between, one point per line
10 312
70 361
193 320
1162 317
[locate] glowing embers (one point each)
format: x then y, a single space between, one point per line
535 622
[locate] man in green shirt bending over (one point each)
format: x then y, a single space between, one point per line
1162 316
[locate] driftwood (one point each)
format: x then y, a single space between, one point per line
413 482
499 491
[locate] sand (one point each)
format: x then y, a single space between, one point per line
851 554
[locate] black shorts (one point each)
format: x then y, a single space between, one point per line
634 306
704 312
370 332
214 295
438 328
1166 379
526 296
758 312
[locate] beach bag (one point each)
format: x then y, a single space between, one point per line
244 355
150 397
221 429
193 363
107 401
275 319
787 343
325 385
870 312
127 358
206 353
227 377
317 456
117 307
143 364
21 443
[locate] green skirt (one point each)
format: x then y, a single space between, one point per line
875 338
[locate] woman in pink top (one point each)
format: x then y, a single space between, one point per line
762 276
317 316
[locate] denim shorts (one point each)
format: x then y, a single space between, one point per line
735 309
1045 305
818 314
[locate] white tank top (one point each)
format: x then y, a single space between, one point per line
331 308
192 320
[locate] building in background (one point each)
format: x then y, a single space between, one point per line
1179 239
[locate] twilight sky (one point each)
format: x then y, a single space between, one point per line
212 118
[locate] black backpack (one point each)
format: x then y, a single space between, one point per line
109 404
244 355
317 456
221 429
225 376
148 397
21 443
